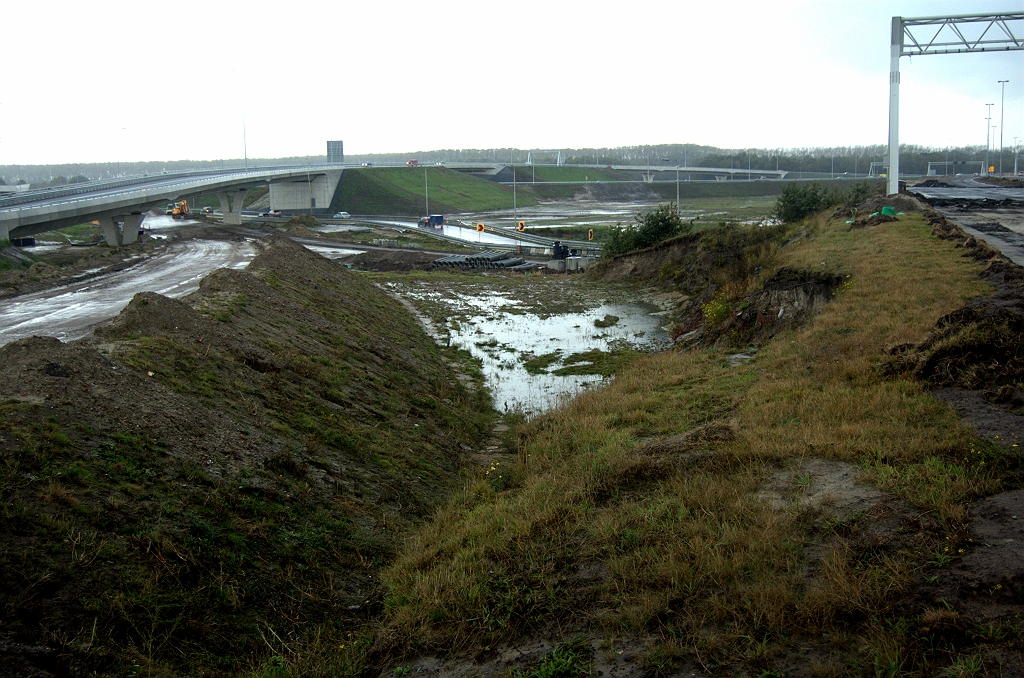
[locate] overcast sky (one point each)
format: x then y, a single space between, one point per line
92 81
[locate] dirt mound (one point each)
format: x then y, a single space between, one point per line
240 460
302 232
901 203
64 377
392 260
1003 181
976 347
933 183
876 220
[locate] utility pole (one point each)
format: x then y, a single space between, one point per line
678 211
1002 102
426 192
988 136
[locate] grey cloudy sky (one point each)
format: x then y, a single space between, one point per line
92 81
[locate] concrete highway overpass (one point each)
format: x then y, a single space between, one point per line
120 206
719 173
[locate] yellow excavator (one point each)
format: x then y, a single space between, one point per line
178 210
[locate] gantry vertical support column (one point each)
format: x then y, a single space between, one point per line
231 206
1000 31
895 51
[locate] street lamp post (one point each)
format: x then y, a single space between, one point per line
988 136
1002 101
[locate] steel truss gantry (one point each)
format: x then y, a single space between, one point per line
999 32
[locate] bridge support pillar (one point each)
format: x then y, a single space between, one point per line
126 234
130 228
231 206
111 233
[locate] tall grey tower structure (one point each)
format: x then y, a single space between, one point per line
335 152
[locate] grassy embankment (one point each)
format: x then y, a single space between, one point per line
400 190
599 529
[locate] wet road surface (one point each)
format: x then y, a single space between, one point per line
71 312
1001 226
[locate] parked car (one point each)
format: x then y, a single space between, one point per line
341 215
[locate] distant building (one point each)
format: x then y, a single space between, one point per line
335 152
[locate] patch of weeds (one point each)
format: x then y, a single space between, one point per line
595 361
964 667
936 483
540 364
274 666
607 321
499 478
568 660
715 311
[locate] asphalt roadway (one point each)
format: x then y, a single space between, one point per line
991 213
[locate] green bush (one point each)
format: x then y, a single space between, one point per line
650 229
799 202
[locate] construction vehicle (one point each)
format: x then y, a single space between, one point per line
178 210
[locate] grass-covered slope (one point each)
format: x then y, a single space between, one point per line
215 475
400 191
785 514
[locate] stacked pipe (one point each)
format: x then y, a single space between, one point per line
482 260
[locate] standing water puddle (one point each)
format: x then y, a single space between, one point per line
525 355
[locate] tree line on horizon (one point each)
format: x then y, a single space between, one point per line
813 160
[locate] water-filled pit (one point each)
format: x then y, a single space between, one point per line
532 359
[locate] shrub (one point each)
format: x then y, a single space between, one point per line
799 202
650 229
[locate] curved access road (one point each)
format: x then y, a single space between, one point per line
71 312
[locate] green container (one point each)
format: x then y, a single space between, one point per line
889 211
